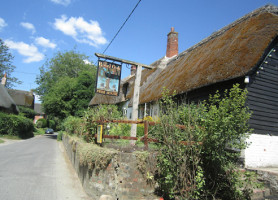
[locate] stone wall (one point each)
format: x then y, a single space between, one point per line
121 180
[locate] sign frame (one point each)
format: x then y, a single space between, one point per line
108 77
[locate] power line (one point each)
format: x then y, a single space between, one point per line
121 27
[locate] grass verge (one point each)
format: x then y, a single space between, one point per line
10 137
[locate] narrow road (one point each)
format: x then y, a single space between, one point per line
37 169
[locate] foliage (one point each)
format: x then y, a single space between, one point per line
73 125
27 112
16 125
70 96
179 171
51 124
120 129
91 155
124 129
101 112
208 169
146 164
63 64
41 123
226 127
6 66
39 131
66 84
60 136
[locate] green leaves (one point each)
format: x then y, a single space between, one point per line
16 125
67 84
6 66
208 170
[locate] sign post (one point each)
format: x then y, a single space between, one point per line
136 94
135 102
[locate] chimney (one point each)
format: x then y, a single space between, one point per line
133 69
172 44
4 79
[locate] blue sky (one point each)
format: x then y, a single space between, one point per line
35 30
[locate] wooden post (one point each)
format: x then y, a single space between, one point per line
135 103
146 130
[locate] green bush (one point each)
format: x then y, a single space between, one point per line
51 124
39 131
16 125
41 123
101 112
73 125
120 129
205 170
60 136
27 112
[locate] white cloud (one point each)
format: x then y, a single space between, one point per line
87 62
2 23
28 26
29 51
81 30
45 42
62 2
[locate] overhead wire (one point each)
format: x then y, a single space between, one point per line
121 27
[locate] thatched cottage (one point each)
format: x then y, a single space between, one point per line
244 52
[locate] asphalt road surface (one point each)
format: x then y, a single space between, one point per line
37 169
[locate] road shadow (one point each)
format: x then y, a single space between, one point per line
51 136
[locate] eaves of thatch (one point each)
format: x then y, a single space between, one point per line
229 53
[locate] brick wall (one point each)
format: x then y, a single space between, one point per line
121 180
262 152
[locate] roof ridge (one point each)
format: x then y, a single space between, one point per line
268 8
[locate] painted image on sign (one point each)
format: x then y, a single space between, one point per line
108 80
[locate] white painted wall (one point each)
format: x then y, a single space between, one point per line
262 151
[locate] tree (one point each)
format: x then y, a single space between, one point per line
67 64
70 96
67 85
6 65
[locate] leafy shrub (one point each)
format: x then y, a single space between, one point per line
73 125
120 129
51 124
60 136
16 125
206 171
179 166
141 128
41 123
39 131
27 112
101 112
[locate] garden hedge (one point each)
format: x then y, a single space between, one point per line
16 125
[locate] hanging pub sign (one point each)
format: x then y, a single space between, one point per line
108 78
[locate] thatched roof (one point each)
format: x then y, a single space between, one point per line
22 98
7 104
229 53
